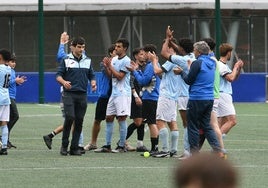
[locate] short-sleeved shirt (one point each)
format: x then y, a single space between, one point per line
121 87
5 73
225 85
170 83
182 61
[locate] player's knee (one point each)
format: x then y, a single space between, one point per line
233 121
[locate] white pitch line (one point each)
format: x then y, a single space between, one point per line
41 115
112 168
89 168
253 115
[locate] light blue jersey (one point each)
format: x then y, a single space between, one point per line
5 73
225 85
182 61
170 82
121 87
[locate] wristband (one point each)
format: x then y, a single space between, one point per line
135 94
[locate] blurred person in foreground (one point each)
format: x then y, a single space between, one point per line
205 170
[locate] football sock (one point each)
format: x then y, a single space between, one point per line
154 144
123 132
4 130
52 134
140 132
109 132
81 139
139 143
131 128
186 144
163 137
174 140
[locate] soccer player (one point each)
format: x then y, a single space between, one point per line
14 82
150 83
5 73
226 110
136 104
184 55
120 99
101 106
73 74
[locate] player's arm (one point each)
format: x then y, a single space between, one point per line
165 48
64 38
193 72
235 72
137 98
92 78
153 58
59 76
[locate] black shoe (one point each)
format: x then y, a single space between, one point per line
82 150
9 145
141 149
75 152
3 151
48 141
63 151
161 154
103 149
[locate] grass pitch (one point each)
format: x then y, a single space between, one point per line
33 165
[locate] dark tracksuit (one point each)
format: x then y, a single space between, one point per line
201 81
78 72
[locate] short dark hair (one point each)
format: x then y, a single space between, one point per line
211 43
78 40
136 51
186 44
124 42
149 48
5 54
111 49
13 57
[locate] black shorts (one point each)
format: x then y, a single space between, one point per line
100 111
149 111
136 111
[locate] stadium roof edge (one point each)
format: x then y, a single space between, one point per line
107 5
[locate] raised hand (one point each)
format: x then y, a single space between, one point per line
64 38
169 33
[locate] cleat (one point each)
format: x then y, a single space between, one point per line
141 149
103 149
3 151
129 147
119 149
48 141
183 157
161 154
173 154
9 145
89 147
